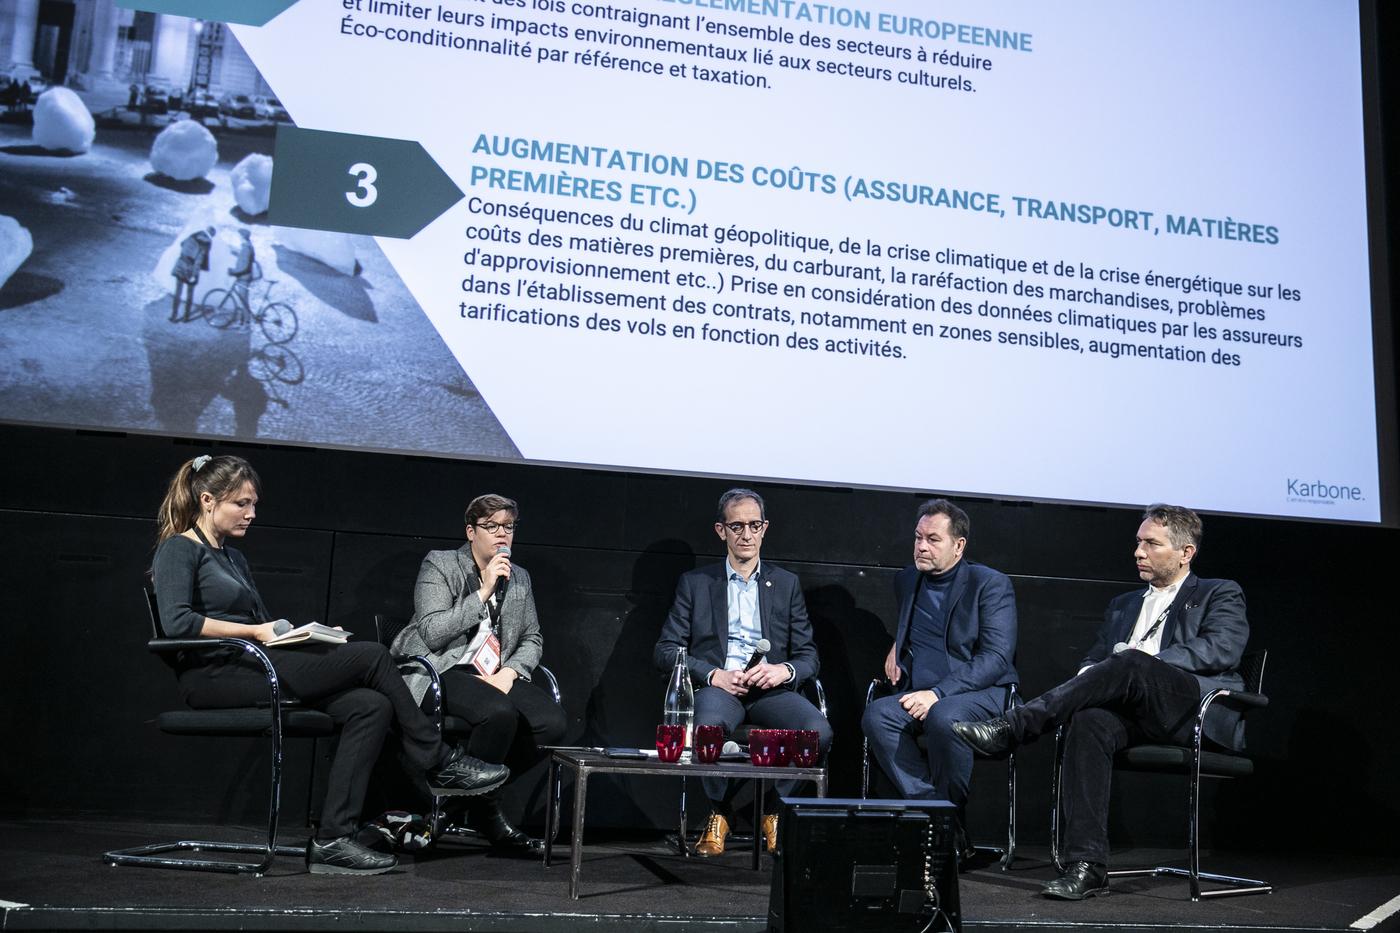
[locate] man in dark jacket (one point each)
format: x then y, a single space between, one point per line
720 614
951 660
1159 651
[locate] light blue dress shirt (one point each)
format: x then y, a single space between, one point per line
745 627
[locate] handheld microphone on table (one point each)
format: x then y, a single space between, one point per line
759 650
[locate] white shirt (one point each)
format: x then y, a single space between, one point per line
1155 601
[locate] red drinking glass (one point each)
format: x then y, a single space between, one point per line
806 748
709 740
670 742
786 739
763 747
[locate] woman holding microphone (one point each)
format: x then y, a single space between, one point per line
474 618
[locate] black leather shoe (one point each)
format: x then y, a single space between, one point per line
1080 880
466 776
345 856
486 818
992 737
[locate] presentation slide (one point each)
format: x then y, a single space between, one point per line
1099 252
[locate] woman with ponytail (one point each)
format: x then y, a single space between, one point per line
204 588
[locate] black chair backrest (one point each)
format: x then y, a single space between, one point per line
1252 670
153 609
157 631
387 628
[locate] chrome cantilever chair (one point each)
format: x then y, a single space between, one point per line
880 686
817 694
1195 762
386 629
279 719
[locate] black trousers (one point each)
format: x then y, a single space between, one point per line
357 686
1126 699
767 709
506 728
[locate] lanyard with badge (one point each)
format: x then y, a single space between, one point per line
487 656
1147 635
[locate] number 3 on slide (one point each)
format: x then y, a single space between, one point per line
365 193
372 185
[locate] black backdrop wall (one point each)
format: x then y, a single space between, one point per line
340 534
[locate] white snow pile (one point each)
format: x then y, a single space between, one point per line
252 182
222 254
15 246
62 121
336 250
184 150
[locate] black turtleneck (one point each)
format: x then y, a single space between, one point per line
928 631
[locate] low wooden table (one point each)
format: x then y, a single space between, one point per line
587 762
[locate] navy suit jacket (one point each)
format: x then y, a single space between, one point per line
981 639
1204 634
699 622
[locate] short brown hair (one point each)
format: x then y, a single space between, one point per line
1183 525
488 505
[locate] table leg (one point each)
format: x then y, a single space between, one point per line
576 847
551 812
685 847
757 820
821 784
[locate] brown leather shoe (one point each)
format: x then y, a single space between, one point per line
712 839
770 831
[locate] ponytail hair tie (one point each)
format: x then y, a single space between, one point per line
199 462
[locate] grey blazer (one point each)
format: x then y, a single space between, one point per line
447 612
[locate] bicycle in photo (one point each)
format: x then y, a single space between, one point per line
227 307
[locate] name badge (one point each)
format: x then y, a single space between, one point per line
487 659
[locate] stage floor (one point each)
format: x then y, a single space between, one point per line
51 877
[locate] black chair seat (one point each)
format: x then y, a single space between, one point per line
1177 758
250 721
306 723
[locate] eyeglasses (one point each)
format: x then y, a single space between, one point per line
737 528
492 527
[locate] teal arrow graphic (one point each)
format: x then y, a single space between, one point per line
245 12
356 184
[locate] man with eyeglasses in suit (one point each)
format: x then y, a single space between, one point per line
719 615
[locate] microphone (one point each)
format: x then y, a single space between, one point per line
281 627
759 650
499 590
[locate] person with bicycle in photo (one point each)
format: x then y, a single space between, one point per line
244 265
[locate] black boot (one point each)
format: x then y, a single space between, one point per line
484 815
